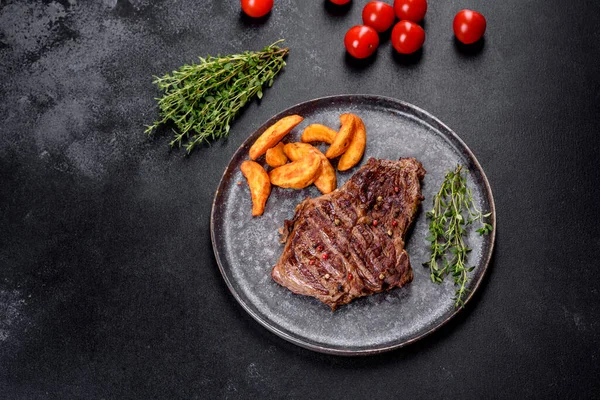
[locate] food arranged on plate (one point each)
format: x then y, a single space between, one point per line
326 181
350 243
259 183
297 174
318 133
298 165
275 156
358 246
344 136
273 135
452 213
357 145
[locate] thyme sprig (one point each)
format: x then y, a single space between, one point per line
453 211
202 99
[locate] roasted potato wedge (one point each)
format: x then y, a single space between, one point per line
343 138
275 156
273 135
259 183
297 174
318 133
356 149
326 182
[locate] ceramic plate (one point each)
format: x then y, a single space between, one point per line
246 248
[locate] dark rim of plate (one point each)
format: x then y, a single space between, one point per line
430 119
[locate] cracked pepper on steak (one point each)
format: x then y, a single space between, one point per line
350 243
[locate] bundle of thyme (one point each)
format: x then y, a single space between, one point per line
453 210
202 99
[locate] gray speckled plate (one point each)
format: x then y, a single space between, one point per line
246 248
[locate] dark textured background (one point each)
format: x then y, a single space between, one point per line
108 284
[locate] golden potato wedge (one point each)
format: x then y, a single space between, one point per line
326 182
273 135
318 133
275 156
343 138
297 174
259 183
356 149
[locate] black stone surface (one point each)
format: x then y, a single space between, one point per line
108 284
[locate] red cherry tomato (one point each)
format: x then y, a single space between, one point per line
412 10
257 8
469 26
340 2
361 41
407 37
378 15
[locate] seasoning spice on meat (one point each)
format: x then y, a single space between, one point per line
359 252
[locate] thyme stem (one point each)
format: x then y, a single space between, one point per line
447 229
202 99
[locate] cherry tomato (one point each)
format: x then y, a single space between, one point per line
469 26
361 41
340 2
378 15
407 37
257 8
412 10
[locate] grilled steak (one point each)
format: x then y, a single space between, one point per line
350 243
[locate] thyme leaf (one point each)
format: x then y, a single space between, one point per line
202 99
453 211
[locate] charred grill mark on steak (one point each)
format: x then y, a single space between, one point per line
335 252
